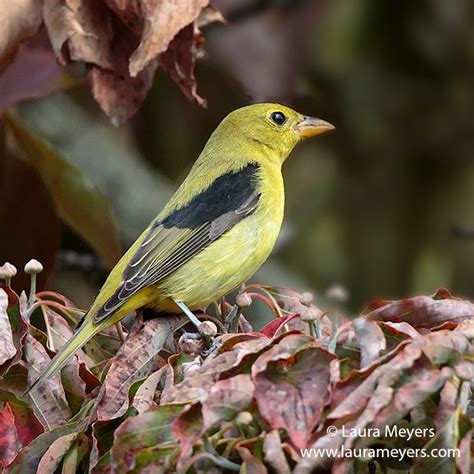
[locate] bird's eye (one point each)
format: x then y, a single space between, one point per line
278 118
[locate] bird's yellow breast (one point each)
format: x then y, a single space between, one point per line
231 259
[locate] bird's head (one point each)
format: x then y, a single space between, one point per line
273 126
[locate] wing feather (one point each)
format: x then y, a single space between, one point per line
166 248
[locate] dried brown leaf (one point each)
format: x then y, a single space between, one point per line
119 94
79 30
166 20
19 20
179 59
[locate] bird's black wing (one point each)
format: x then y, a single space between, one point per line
172 241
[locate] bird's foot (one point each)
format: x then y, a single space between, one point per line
213 347
206 329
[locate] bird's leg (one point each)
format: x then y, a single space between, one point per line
201 327
188 313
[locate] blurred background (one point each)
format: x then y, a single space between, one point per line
381 208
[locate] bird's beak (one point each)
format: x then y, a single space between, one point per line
311 126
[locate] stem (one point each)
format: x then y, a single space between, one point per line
263 298
120 332
221 462
333 342
48 328
32 297
274 306
67 312
318 329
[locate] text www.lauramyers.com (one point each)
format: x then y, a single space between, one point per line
393 453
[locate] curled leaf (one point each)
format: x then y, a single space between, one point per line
422 311
371 340
20 20
167 18
7 346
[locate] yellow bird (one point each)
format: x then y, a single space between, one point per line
215 232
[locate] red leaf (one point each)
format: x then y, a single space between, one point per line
276 324
423 311
10 443
250 450
143 399
27 425
188 429
292 392
56 452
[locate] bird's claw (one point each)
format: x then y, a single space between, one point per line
213 347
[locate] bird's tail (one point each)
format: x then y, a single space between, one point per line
82 335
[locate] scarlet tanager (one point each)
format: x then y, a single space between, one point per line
215 232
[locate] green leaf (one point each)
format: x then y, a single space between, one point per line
75 455
448 438
143 431
76 199
56 452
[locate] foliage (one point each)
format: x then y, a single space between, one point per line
121 44
162 402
